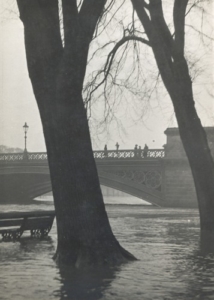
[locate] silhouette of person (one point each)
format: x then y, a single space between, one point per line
145 151
139 151
135 151
117 146
105 151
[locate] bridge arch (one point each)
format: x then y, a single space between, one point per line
23 183
130 188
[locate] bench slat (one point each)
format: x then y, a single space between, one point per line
8 223
22 214
8 230
37 223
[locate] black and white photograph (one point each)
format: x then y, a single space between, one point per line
106 150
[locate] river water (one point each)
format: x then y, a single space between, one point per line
172 264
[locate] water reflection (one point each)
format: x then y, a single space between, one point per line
174 261
24 249
200 266
35 245
192 257
85 284
207 243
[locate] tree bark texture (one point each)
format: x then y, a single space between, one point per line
57 73
169 55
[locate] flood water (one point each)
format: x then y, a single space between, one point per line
172 263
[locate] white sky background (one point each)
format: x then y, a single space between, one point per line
18 105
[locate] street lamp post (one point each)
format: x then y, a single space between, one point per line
25 127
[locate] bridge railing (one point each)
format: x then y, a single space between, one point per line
98 155
11 156
129 154
26 156
37 156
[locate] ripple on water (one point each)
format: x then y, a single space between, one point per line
171 262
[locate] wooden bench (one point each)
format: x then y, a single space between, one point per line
13 224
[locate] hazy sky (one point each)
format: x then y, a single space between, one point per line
19 106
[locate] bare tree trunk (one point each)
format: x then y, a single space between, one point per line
196 146
169 56
84 232
57 74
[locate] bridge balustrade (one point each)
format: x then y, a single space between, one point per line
129 154
29 156
98 155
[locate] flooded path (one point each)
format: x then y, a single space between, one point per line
172 264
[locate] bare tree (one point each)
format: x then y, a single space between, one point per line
167 42
169 53
57 71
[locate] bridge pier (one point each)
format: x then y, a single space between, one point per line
179 188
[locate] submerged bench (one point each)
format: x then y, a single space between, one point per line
13 224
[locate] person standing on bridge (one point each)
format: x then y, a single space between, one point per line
139 151
145 151
135 151
105 151
117 146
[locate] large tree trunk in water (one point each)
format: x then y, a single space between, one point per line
84 233
195 144
169 56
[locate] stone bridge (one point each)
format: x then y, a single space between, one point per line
160 176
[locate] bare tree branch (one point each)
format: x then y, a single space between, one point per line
70 21
179 12
145 4
102 20
143 16
110 58
158 20
49 15
89 15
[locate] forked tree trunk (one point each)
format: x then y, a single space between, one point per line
169 56
57 74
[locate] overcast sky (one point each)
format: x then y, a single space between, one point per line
19 106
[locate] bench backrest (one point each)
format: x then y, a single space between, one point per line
27 220
37 223
11 223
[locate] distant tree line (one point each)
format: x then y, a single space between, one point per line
6 149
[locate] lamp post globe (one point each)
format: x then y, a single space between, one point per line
25 128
